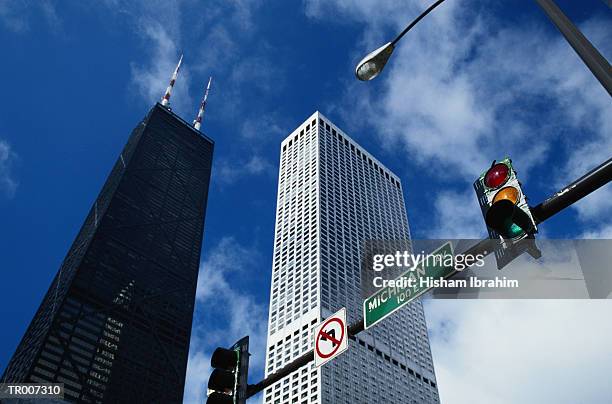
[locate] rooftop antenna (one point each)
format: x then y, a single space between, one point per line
198 121
166 98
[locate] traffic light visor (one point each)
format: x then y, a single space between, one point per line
224 359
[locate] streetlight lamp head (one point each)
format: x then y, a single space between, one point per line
371 65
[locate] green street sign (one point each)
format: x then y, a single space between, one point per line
408 286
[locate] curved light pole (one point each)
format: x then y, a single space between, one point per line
371 65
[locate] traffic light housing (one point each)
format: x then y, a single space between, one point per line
228 381
506 212
503 203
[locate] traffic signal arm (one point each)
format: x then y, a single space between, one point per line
278 375
590 182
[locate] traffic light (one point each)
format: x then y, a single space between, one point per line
228 381
506 212
503 203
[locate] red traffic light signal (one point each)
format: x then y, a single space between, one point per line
497 176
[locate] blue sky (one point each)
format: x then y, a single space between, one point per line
473 82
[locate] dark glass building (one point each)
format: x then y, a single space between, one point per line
116 321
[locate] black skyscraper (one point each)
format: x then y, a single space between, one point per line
116 321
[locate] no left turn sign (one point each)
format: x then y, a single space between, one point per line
330 337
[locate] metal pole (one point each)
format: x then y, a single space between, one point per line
598 65
591 181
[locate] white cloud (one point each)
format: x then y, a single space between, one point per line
463 89
221 51
219 39
257 165
151 78
238 314
229 173
167 28
259 72
243 12
457 215
598 205
51 15
11 16
262 127
511 351
604 231
15 15
198 371
8 183
159 24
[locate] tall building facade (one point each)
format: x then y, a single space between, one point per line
332 196
115 323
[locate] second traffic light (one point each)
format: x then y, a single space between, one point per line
503 203
228 381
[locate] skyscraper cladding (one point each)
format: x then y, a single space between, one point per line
332 196
115 323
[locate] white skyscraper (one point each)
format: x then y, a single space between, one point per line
332 196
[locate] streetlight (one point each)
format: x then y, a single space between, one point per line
374 63
371 65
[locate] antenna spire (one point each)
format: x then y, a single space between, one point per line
198 121
166 98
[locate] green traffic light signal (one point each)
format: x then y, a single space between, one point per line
514 230
508 219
